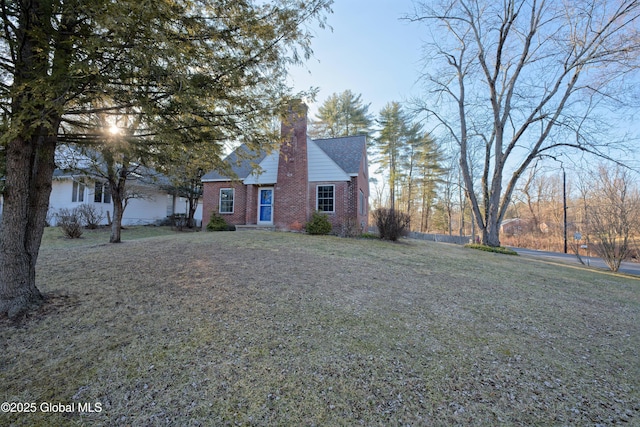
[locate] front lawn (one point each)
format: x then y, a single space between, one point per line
264 328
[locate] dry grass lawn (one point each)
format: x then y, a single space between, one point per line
259 328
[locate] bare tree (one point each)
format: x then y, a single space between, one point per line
117 162
379 192
447 196
523 78
532 196
613 214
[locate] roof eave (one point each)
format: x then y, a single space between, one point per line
216 180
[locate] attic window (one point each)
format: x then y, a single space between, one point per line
325 198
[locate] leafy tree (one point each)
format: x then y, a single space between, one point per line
184 166
391 144
206 70
436 175
518 79
422 170
410 157
342 114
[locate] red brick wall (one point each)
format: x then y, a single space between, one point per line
341 193
362 183
291 193
294 197
211 202
251 211
347 199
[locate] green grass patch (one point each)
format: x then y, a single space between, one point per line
498 250
368 235
266 328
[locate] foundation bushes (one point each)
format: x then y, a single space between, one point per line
319 224
217 223
69 221
392 224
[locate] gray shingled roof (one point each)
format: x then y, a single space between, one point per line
345 151
241 160
60 173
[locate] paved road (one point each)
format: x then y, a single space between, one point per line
626 267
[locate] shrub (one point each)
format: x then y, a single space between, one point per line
69 222
498 250
90 215
179 222
217 223
391 224
369 236
350 228
319 224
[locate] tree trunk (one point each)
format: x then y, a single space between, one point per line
491 235
118 213
23 220
117 178
193 205
195 191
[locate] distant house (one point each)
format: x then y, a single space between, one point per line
514 226
151 203
283 188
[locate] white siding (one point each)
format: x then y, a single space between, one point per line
268 169
180 205
60 198
322 167
148 210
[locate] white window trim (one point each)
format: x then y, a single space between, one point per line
259 205
78 191
318 198
103 193
233 201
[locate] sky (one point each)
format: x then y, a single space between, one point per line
370 51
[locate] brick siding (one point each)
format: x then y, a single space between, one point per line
362 184
294 197
211 202
291 191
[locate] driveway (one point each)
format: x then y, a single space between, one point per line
626 267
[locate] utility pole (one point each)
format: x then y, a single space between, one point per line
564 205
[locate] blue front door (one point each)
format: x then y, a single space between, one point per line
265 206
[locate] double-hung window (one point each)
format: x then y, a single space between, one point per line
325 198
102 193
226 200
77 191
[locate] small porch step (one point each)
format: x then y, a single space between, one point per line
247 227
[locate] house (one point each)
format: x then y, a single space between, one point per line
151 204
283 188
514 226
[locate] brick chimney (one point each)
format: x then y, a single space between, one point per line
291 192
